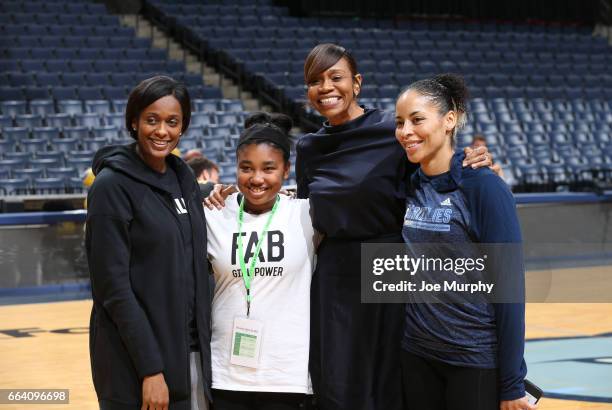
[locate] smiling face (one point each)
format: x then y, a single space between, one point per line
158 129
261 172
423 132
332 93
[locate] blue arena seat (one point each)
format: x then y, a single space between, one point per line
64 53
202 119
21 79
23 157
78 132
195 132
5 121
34 66
89 120
42 107
65 144
94 78
56 156
47 133
122 79
206 105
114 92
58 120
14 160
48 185
12 96
115 119
57 66
64 93
9 65
119 105
90 93
205 92
14 186
28 120
72 107
36 93
63 173
187 143
107 132
227 119
99 107
80 164
44 163
95 143
33 144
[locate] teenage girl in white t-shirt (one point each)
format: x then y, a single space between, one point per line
261 320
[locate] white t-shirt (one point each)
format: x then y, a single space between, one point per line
280 293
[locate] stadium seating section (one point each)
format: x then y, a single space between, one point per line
542 95
66 69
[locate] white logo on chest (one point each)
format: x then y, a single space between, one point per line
179 204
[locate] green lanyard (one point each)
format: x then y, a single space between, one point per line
247 274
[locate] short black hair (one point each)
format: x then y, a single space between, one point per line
151 90
199 165
479 137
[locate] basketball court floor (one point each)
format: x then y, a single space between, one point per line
568 352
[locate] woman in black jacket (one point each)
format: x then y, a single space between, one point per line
146 236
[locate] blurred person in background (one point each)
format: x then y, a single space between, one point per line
191 154
206 172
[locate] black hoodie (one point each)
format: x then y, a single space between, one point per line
138 268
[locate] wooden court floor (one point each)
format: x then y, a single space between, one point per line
46 346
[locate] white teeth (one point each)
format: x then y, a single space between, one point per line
330 100
160 143
413 144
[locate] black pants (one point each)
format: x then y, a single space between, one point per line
244 400
434 385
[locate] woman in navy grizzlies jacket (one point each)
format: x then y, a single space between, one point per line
467 354
354 173
150 322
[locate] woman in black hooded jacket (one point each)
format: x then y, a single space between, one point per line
150 321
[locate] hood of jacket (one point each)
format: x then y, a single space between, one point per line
124 159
